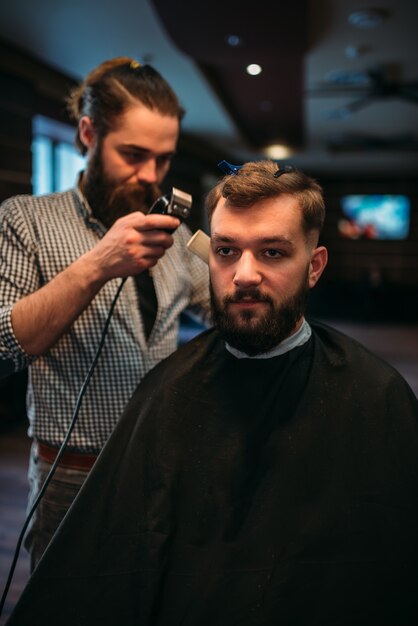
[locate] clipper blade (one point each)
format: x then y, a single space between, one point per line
199 244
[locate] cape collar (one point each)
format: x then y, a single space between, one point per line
300 337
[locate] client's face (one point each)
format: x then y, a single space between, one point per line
262 267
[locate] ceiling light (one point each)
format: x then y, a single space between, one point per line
366 18
233 40
277 151
254 69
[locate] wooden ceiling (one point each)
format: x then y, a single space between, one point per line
267 108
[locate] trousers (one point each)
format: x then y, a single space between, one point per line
55 502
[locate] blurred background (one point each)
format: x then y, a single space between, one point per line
330 86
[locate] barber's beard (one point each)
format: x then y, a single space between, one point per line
109 200
252 334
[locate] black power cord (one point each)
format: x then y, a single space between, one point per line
62 448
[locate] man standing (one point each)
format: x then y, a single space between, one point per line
271 478
61 259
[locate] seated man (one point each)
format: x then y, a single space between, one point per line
266 473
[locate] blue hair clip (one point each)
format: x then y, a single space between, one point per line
228 168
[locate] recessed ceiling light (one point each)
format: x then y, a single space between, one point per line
277 151
254 69
233 40
366 18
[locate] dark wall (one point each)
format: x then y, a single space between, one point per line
16 96
367 279
27 88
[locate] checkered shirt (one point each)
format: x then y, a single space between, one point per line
39 237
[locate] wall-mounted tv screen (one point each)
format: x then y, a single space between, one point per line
375 216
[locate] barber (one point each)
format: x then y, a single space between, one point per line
61 260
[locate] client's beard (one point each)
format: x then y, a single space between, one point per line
110 201
255 336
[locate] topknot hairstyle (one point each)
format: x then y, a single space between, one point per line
114 86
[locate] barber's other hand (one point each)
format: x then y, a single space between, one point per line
134 243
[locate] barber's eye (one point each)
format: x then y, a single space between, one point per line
132 155
164 160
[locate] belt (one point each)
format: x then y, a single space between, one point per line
71 460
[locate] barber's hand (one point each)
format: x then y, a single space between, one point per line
134 243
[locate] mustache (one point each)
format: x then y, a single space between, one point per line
252 293
130 188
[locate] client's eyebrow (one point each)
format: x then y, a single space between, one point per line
267 241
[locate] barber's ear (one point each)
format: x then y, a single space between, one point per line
86 132
317 265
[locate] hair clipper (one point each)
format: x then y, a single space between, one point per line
177 203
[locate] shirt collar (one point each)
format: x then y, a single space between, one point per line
300 337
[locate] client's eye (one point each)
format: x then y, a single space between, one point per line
225 251
271 253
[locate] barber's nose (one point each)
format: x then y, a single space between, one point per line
247 271
147 172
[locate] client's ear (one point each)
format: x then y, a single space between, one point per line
317 265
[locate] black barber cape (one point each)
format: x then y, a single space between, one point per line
246 492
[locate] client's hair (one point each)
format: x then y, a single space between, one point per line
258 180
